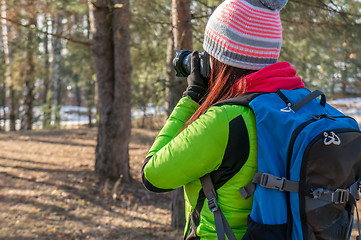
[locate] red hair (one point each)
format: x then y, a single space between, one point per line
221 86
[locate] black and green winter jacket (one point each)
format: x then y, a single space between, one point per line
221 142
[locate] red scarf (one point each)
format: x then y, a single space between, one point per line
276 76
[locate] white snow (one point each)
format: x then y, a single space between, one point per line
73 115
349 106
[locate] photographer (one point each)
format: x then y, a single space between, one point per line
243 39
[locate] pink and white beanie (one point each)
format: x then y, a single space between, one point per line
245 33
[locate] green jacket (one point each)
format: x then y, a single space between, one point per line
221 142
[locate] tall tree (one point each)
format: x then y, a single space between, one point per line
47 96
2 86
90 83
28 92
113 69
182 37
170 72
8 80
182 40
6 57
57 76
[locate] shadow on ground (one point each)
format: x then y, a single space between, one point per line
48 190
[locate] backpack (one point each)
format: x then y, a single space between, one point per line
309 169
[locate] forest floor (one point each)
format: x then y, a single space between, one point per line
48 190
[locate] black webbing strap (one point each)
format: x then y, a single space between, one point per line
222 226
308 98
358 220
339 196
283 97
270 181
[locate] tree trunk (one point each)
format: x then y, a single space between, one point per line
27 116
2 91
170 75
122 91
103 56
90 84
182 32
112 61
7 78
178 208
3 69
12 107
77 90
181 16
47 103
57 68
3 102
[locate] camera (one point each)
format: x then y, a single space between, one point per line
182 63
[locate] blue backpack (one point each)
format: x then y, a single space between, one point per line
309 169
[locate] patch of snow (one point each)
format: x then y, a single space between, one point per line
349 106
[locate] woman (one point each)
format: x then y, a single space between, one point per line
243 38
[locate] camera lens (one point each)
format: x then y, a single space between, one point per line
182 63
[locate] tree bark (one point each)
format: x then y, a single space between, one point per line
104 62
57 68
7 80
122 93
90 83
170 74
27 116
182 35
47 103
2 87
181 16
5 61
113 69
12 107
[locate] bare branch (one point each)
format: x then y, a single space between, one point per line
47 33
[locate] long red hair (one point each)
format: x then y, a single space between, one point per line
221 85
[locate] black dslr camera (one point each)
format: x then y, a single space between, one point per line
182 63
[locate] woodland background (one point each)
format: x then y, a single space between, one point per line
108 65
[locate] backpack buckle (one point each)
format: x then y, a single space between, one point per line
272 182
213 205
340 196
318 193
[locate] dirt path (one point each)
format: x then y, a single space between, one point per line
48 190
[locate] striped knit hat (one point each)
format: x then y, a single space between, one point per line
245 33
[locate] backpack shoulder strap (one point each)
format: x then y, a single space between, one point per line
222 226
242 100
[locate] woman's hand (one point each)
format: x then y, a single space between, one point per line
197 84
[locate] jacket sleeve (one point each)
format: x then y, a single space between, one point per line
177 159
